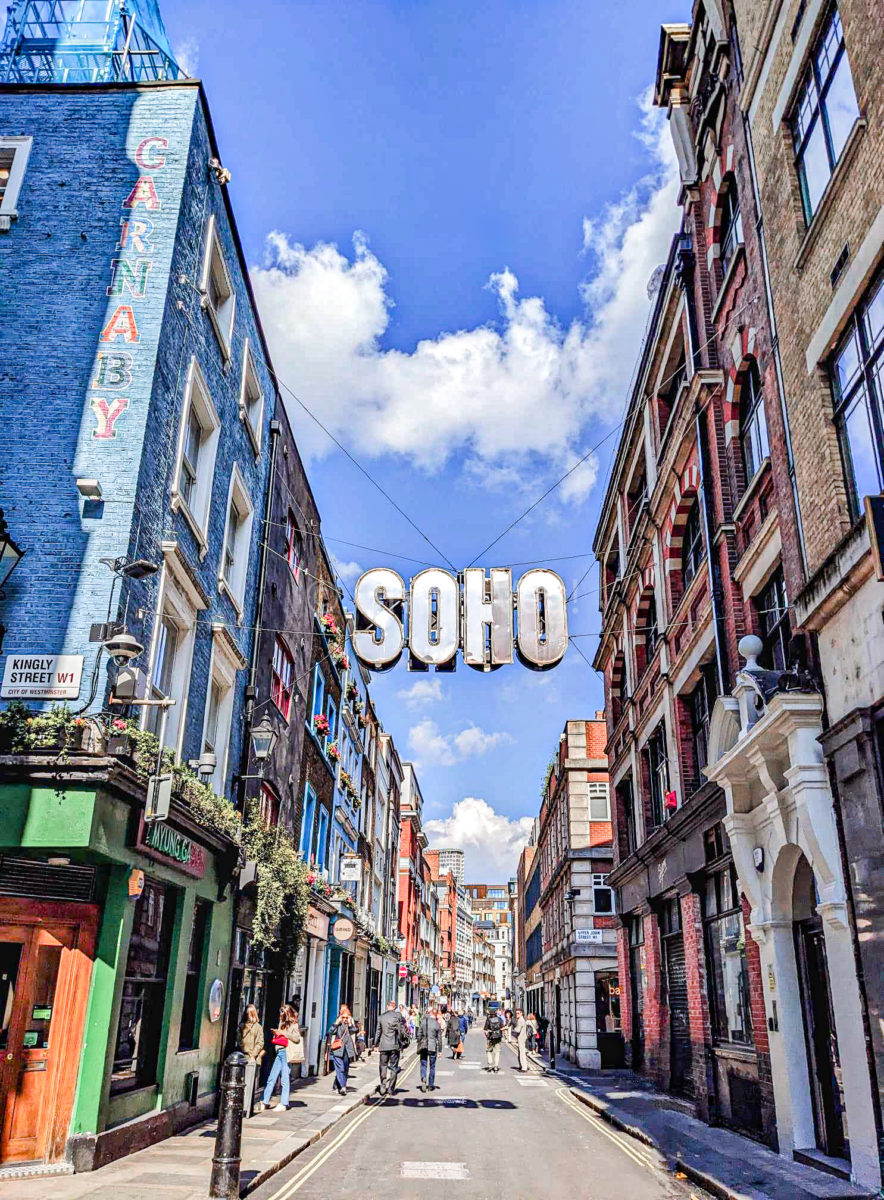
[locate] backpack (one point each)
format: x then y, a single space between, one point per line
494 1029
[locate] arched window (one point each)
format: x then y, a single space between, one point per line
753 424
731 225
692 545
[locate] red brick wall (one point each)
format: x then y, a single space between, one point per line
625 993
759 1030
698 1004
656 1013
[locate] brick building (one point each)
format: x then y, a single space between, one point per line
578 939
412 844
491 915
810 80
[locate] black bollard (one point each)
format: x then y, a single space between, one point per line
228 1139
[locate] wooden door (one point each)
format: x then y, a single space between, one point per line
35 978
824 1060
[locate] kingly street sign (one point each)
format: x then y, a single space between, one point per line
476 612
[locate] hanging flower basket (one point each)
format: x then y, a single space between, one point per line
321 725
333 752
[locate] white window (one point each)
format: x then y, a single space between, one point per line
602 895
14 153
599 805
218 296
219 706
197 443
172 653
251 400
237 537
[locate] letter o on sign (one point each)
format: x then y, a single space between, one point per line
543 619
434 617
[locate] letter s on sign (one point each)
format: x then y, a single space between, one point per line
543 619
378 638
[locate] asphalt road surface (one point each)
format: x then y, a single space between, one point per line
479 1137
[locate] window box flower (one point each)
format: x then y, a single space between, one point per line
333 752
321 725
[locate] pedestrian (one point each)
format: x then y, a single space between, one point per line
360 1042
520 1034
251 1042
508 1025
392 1033
430 1035
542 1027
413 1018
464 1026
452 1034
493 1038
533 1035
289 1049
341 1048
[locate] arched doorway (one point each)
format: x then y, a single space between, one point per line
821 1039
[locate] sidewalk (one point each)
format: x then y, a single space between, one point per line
724 1163
179 1167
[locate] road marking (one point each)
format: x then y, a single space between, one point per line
471 1066
435 1170
531 1083
297 1182
596 1122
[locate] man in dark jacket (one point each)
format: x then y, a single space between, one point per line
388 1039
430 1040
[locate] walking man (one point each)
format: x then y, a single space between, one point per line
388 1040
430 1040
493 1038
520 1033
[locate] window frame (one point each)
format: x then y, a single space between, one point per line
222 673
730 235
268 804
194 978
600 885
21 150
775 634
692 551
866 381
251 412
197 401
605 793
814 88
754 435
658 771
701 702
282 688
176 606
294 545
238 499
219 317
711 920
308 821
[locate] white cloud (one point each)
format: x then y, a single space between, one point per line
347 570
187 55
491 842
433 748
517 400
421 692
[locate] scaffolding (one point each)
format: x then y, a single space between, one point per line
85 41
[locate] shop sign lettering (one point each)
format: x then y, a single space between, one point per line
42 677
162 841
476 612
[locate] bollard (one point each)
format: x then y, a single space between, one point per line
228 1139
552 1047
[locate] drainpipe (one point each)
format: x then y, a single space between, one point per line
775 343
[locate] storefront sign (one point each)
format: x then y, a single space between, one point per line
162 842
42 677
476 612
343 929
351 869
317 924
216 1000
588 935
377 963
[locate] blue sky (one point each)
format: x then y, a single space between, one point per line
451 211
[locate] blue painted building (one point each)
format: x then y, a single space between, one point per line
136 402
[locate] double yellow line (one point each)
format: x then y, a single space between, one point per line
598 1125
298 1181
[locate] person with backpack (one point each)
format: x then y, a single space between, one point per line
430 1040
390 1040
494 1026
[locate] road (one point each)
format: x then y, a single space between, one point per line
480 1137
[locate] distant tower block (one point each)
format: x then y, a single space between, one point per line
85 41
451 861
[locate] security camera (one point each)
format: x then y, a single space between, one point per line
122 648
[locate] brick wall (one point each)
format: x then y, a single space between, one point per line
698 1004
656 1012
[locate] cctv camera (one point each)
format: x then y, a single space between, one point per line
122 648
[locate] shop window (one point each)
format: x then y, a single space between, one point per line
824 113
282 678
143 1000
692 545
251 399
268 806
658 772
218 295
602 895
772 608
726 969
731 227
859 398
189 1037
753 423
294 546
599 805
14 153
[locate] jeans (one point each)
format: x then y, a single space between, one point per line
492 1053
280 1069
428 1067
388 1062
342 1068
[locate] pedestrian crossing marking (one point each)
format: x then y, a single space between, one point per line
531 1083
435 1170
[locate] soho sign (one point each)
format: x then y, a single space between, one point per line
476 612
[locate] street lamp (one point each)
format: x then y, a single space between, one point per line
10 556
264 739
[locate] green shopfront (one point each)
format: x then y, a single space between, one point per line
114 954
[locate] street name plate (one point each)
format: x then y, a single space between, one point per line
435 1170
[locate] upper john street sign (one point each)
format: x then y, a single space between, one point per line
476 612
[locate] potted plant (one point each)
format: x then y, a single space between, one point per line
329 624
333 752
118 741
320 725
